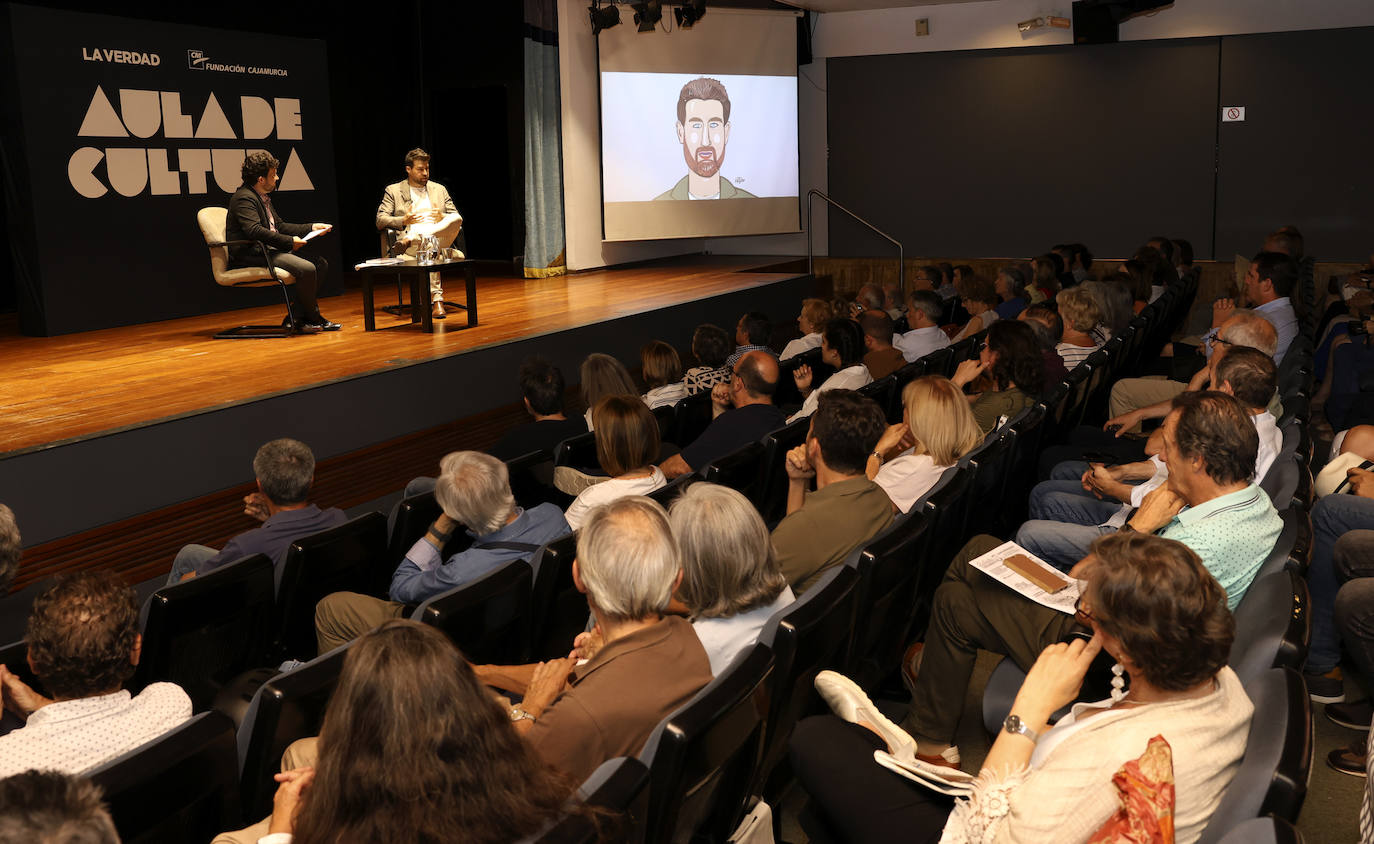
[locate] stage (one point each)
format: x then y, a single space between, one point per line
149 427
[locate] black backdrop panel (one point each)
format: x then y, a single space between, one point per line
1009 152
1302 155
128 128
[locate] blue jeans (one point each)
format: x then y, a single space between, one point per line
1332 517
1059 543
1064 517
188 559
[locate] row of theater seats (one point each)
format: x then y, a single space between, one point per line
708 763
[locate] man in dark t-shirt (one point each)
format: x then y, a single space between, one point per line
753 380
542 385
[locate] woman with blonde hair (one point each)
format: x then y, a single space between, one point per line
937 429
627 444
1081 314
815 313
603 375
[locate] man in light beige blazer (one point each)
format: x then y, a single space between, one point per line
417 200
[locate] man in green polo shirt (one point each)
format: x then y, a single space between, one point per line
847 509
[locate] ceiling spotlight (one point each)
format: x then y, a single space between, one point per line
603 17
689 13
647 14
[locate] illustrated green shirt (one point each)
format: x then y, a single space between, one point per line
727 190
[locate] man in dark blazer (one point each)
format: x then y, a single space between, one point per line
252 216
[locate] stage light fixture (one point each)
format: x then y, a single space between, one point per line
647 14
603 17
689 13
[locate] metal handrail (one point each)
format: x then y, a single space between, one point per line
810 252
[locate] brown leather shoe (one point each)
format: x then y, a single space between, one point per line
439 309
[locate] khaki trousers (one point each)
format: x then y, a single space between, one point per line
1134 393
344 616
301 753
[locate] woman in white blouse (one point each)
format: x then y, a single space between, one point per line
1149 603
662 371
815 313
627 443
842 346
937 429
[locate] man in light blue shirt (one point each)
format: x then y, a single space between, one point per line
1268 288
474 491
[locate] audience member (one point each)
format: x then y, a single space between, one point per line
83 645
473 491
937 429
1267 290
1183 256
750 394
869 298
1149 605
881 359
893 300
815 313
710 346
541 384
627 444
48 807
1049 329
928 278
413 748
1354 621
11 548
1138 280
662 370
979 298
1286 241
847 509
1045 277
1082 501
842 347
1165 247
578 715
602 376
1115 300
1081 314
751 335
1010 356
285 471
1134 400
946 289
1011 290
1081 265
924 310
731 584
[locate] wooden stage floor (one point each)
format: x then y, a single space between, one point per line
56 389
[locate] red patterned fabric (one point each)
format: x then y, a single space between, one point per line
1146 789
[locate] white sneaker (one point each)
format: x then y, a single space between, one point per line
848 701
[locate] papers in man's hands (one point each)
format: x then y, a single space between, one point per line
379 262
938 778
417 229
314 233
993 564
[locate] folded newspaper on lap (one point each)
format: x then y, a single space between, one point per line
1062 591
938 778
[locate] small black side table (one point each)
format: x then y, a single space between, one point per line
419 302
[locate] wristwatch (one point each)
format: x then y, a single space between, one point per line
879 455
518 714
1014 725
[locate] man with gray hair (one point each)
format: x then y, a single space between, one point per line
50 806
285 471
646 664
473 490
924 308
10 548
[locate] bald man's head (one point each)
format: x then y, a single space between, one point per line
759 372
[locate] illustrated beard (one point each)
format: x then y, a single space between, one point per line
706 166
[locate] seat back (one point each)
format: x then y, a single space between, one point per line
531 479
348 558
777 444
889 571
807 637
742 470
579 452
182 786
1280 483
946 509
213 222
1029 427
1272 778
288 707
703 757
488 618
203 632
691 416
963 350
1284 546
558 612
667 493
881 392
1272 625
989 464
414 515
620 785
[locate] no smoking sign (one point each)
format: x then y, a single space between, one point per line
1233 114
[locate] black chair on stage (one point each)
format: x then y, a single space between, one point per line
203 632
488 618
182 786
348 558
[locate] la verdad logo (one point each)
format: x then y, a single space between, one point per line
131 171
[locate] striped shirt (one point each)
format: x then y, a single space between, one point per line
1232 533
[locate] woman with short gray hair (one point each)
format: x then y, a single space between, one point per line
731 583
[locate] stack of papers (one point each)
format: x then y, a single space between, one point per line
379 262
937 778
993 564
